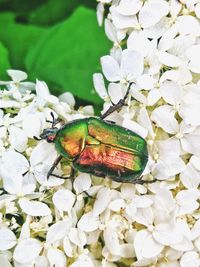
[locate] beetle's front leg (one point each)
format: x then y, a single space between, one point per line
139 181
72 174
117 106
54 166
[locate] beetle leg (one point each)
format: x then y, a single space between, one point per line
139 181
121 103
54 166
72 174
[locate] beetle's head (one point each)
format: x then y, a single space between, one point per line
49 134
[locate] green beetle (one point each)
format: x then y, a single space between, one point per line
99 147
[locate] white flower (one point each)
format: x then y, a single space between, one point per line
167 160
90 221
7 239
34 208
27 250
149 14
64 199
130 67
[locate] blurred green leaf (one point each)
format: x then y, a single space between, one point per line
4 62
53 11
18 38
68 54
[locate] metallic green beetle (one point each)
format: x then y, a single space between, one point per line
99 147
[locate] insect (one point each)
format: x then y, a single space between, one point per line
99 147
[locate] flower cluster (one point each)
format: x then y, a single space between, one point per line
53 222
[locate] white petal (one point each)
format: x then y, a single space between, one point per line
144 216
102 201
127 250
167 234
122 22
100 85
181 44
117 204
142 201
110 31
195 231
182 76
145 82
164 205
4 261
188 25
17 138
131 64
56 258
138 96
115 92
27 250
145 246
184 245
12 160
42 89
168 167
58 230
110 68
43 152
187 201
41 261
167 39
68 247
149 14
129 7
138 41
144 120
68 98
33 123
12 182
190 177
192 53
88 227
175 8
197 10
164 117
7 239
82 183
111 241
128 191
34 208
100 13
171 92
64 199
169 59
78 237
17 75
190 258
190 144
135 127
153 96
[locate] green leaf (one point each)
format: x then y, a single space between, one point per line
68 54
4 62
18 38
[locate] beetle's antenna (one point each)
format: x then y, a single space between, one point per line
54 121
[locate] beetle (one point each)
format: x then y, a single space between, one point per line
99 147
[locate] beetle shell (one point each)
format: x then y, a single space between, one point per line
104 149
